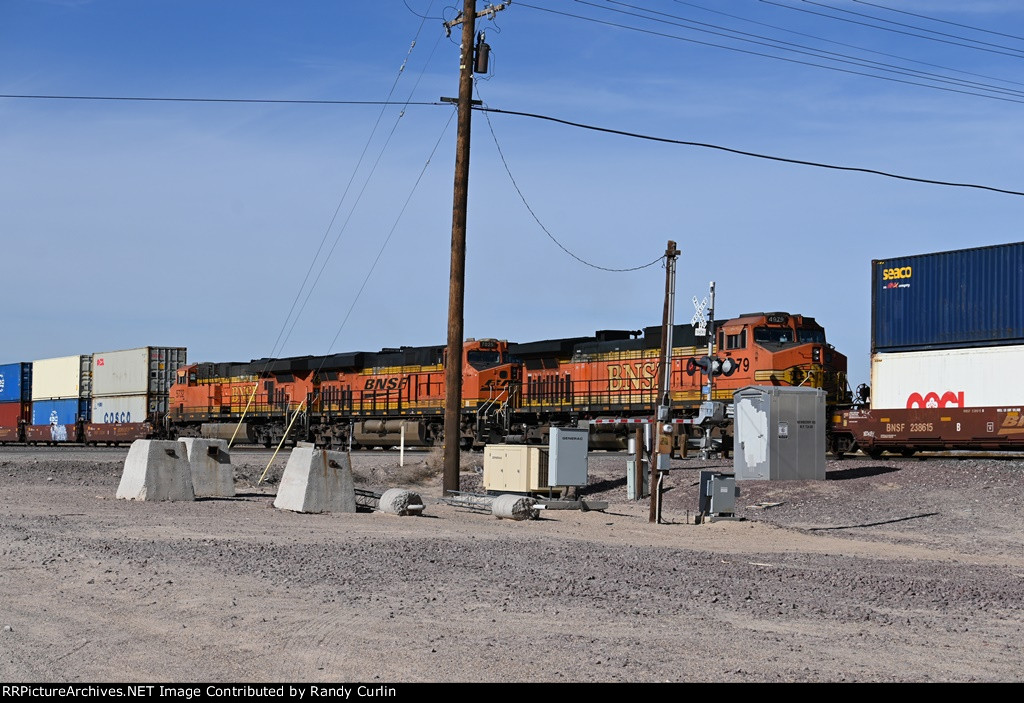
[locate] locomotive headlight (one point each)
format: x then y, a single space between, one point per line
816 355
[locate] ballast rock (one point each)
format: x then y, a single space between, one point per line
156 470
398 501
317 481
210 463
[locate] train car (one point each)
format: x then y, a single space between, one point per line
947 336
615 374
358 399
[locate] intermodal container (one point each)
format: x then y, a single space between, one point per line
136 371
120 409
64 411
974 377
61 378
15 382
10 413
950 299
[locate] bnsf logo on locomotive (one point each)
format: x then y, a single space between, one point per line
386 384
895 273
638 376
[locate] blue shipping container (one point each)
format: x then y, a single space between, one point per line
948 300
15 382
56 412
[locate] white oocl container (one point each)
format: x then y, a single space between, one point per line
976 377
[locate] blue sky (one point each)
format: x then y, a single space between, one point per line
131 223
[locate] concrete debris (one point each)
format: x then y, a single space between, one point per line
398 501
514 507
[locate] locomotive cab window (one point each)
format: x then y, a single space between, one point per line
811 336
481 360
736 341
773 335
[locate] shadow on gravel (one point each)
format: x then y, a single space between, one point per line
859 472
600 486
872 524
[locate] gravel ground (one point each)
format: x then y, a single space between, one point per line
888 571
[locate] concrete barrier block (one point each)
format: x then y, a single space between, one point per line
156 470
317 481
210 462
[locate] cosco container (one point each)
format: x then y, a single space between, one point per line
63 377
947 378
120 409
136 371
946 300
15 382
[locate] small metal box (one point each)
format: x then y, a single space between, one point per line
717 493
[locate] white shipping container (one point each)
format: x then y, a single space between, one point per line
976 377
122 408
62 377
135 371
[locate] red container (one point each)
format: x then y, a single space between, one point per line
10 413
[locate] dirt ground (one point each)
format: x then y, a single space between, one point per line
902 570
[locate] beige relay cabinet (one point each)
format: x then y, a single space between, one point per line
517 468
520 468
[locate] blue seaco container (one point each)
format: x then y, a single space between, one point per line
948 300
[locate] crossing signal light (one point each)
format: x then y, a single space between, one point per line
712 366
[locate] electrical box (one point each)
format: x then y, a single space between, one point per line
515 468
567 464
779 433
717 494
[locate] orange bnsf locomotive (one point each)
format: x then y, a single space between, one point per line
511 392
616 373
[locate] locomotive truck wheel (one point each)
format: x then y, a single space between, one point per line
907 452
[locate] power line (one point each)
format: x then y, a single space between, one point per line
909 26
749 52
936 19
540 224
849 46
753 154
804 49
131 98
1017 55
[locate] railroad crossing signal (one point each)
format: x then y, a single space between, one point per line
699 321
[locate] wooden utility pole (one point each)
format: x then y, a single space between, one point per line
661 440
457 280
